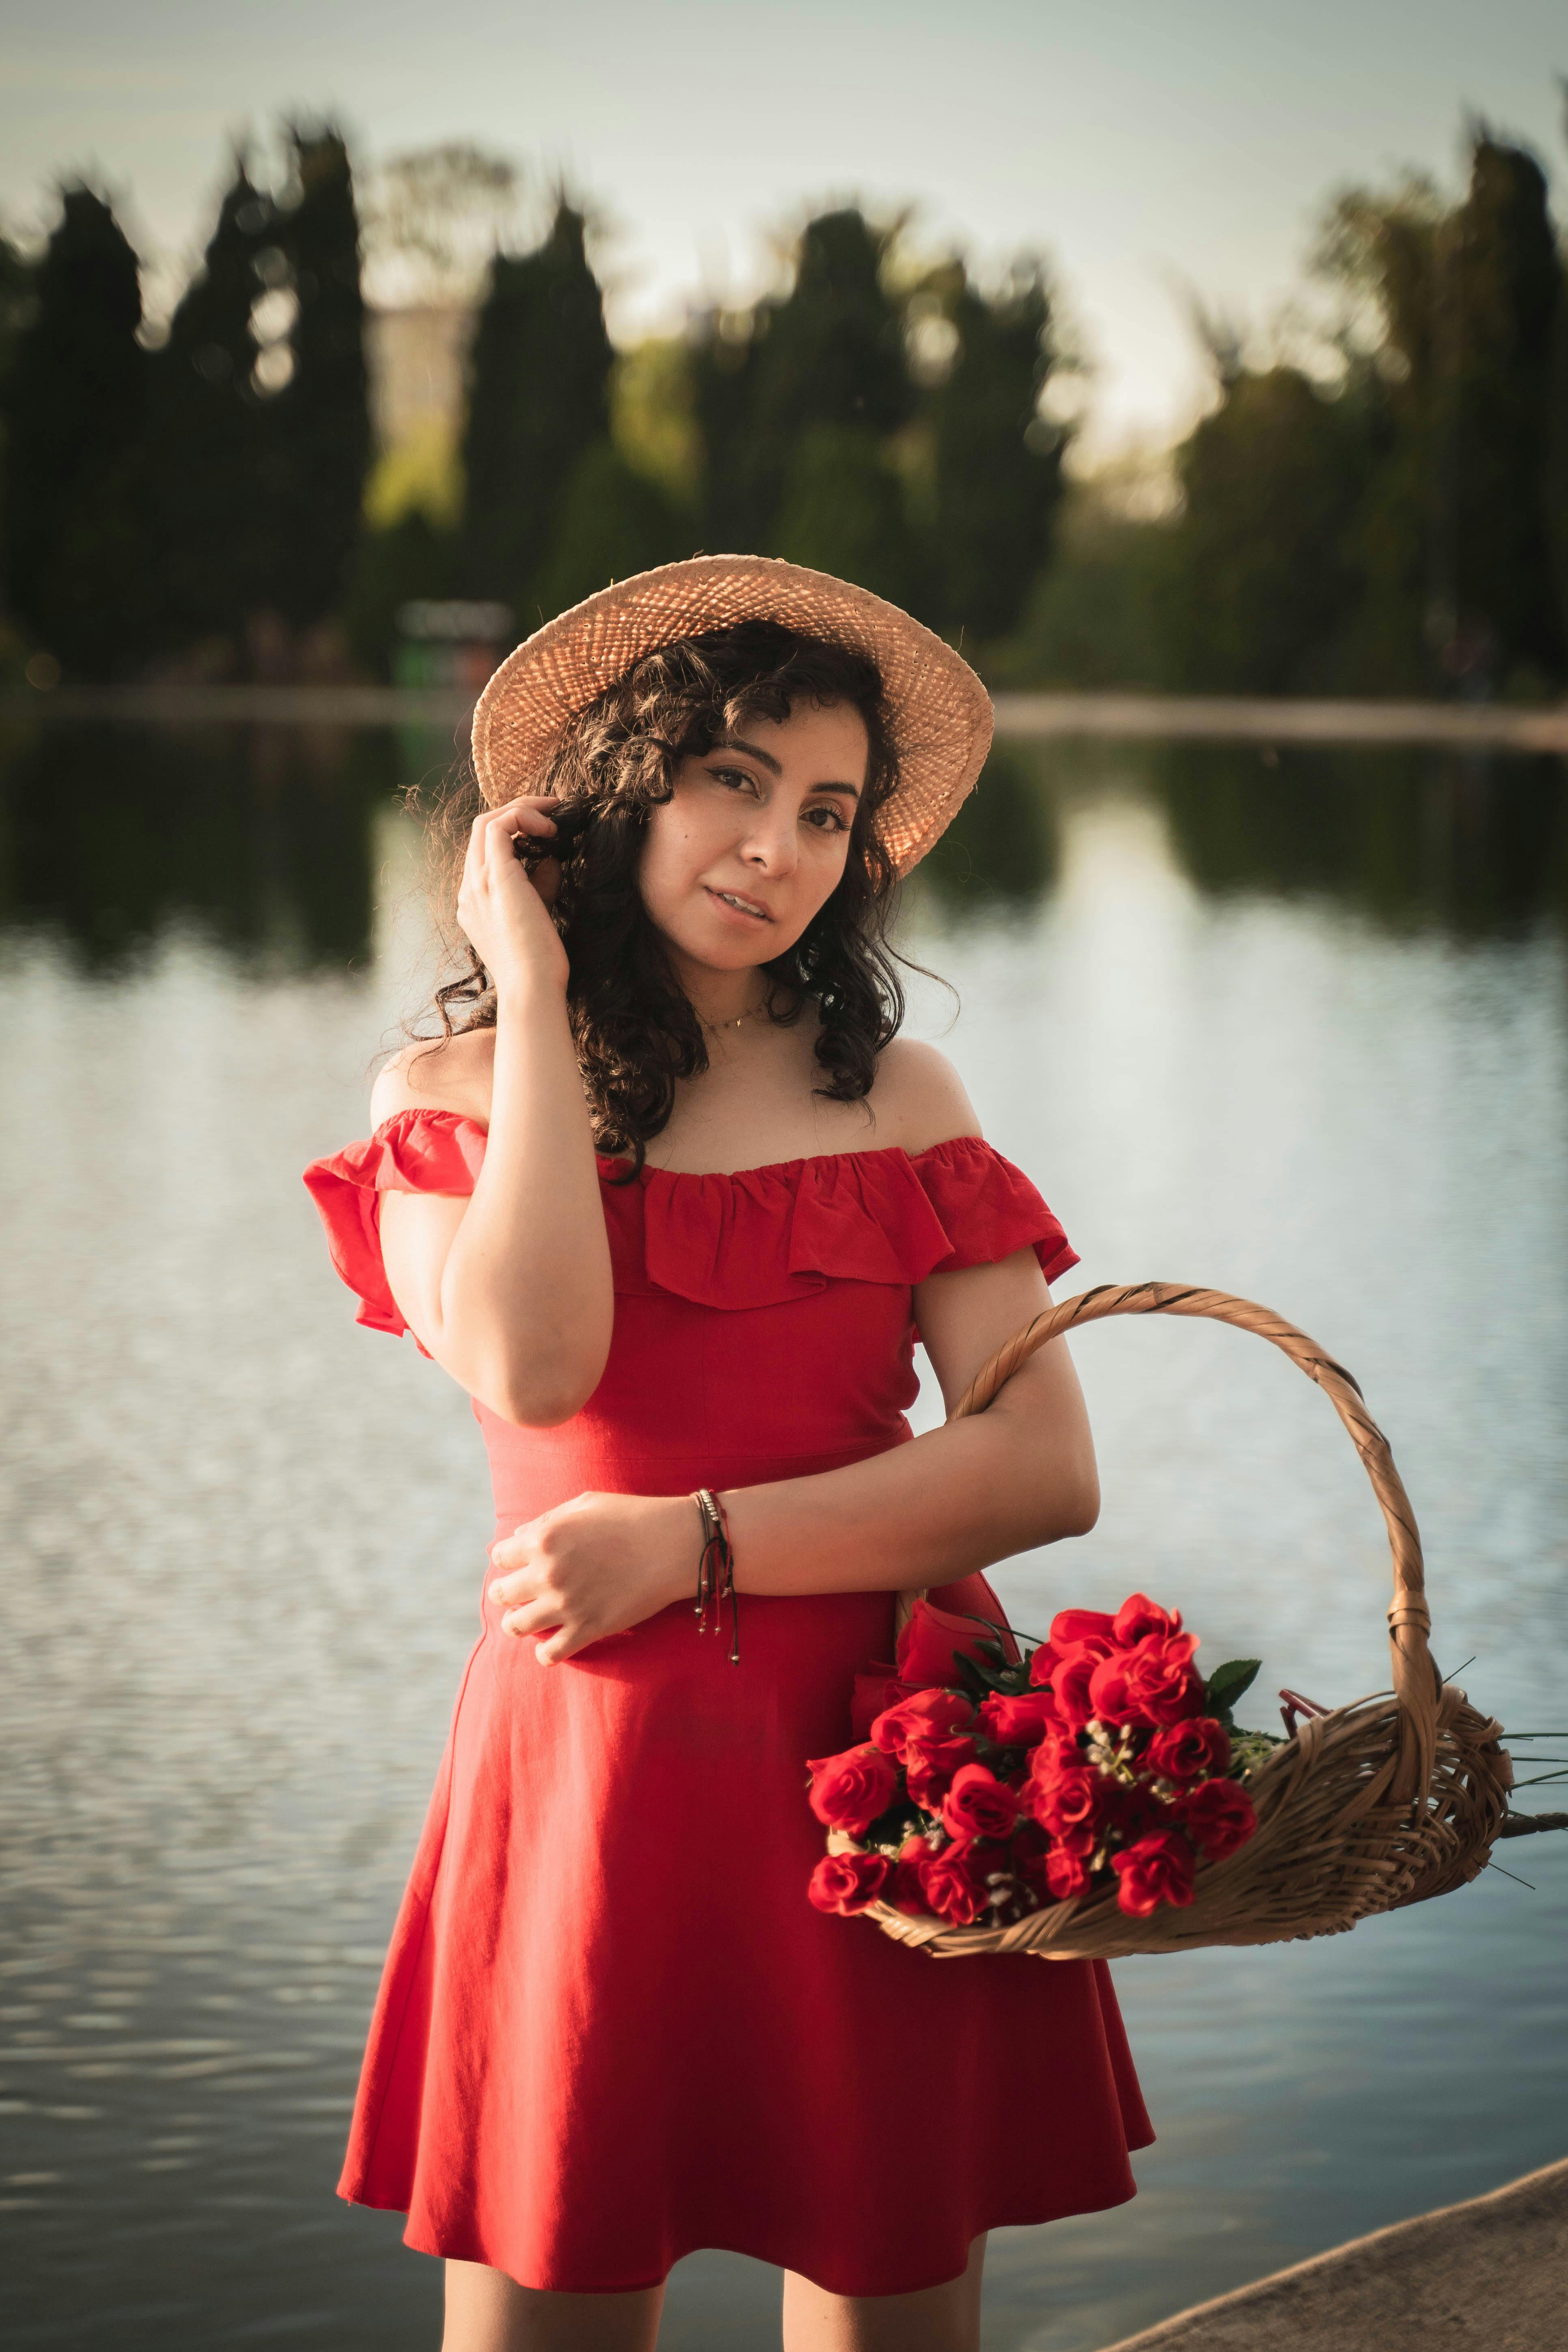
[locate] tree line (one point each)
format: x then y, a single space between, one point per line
1391 518
1395 521
193 503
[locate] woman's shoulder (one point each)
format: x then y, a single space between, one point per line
918 1100
452 1074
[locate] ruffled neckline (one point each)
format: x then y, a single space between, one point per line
735 1239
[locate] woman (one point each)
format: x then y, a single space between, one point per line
669 1204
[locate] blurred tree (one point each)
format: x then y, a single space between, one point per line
998 463
842 510
539 398
316 423
204 434
829 354
1504 290
1461 384
75 556
612 521
408 558
1260 576
724 349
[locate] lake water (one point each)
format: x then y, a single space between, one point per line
1297 1030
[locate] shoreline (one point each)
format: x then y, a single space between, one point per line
1020 717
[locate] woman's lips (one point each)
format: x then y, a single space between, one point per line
745 910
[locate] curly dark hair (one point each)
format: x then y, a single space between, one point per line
636 1031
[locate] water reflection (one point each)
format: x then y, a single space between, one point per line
1475 845
1000 851
265 839
258 837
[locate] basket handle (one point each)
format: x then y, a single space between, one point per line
1416 1683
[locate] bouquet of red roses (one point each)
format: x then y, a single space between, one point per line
985 1785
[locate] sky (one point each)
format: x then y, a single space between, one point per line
1146 147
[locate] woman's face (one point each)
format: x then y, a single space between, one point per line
755 837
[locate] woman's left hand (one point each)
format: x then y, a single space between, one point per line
594 1566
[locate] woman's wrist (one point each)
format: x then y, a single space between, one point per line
525 995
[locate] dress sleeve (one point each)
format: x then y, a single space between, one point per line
412 1151
988 1208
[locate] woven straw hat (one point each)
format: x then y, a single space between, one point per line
940 712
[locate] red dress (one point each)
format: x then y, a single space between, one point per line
611 2028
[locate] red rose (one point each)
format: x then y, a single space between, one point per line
875 1691
1072 1675
1158 1869
1108 1695
978 1805
1019 1722
933 1639
1189 1751
849 1791
903 1889
1138 1615
1067 1874
930 1765
953 1884
1043 1661
1163 1684
929 1714
845 1883
1218 1816
1072 1625
1069 1804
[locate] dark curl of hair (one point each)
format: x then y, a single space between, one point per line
634 1028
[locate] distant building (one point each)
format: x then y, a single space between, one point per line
416 359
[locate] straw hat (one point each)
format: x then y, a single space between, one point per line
940 712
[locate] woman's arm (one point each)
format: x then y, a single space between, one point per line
957 1499
510 1289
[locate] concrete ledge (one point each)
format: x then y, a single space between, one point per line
1488 2276
1025 718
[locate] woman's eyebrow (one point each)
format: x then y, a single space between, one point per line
755 752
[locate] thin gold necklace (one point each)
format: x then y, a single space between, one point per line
717 1028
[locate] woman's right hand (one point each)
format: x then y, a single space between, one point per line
504 911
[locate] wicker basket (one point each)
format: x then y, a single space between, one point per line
1364 1810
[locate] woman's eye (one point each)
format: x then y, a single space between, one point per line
733 777
835 820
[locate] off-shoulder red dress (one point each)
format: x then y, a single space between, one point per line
611 2027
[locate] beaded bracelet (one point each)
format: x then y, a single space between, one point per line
716 1572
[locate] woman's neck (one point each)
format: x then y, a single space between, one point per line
721 1000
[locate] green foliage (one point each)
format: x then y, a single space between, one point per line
612 521
1396 535
316 429
1095 618
829 357
998 467
75 555
409 558
841 510
1503 291
1261 571
204 455
539 398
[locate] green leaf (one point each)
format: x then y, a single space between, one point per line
1228 1683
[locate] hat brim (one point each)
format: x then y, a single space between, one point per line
939 712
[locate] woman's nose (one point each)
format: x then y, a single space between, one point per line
769 844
